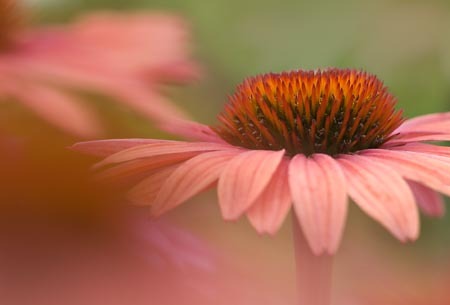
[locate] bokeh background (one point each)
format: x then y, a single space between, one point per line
405 43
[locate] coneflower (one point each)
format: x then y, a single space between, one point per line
310 139
126 57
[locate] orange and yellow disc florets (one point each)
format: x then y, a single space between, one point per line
332 111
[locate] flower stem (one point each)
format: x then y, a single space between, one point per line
313 272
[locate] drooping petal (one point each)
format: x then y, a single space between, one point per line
271 207
146 191
138 167
319 192
428 169
161 148
190 178
429 201
383 194
244 179
104 148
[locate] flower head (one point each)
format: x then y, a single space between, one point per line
123 57
306 112
310 139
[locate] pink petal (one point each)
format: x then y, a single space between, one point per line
271 207
104 148
190 178
424 148
431 127
191 130
58 108
146 191
428 169
430 202
161 148
406 137
436 122
382 194
244 179
138 167
319 191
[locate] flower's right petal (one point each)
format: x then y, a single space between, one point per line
104 148
271 207
423 148
191 178
430 127
319 192
244 179
382 194
161 148
430 202
431 170
435 122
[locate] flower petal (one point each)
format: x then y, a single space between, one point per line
435 122
319 191
191 130
382 194
135 168
244 179
161 148
146 191
430 127
429 201
59 108
271 207
190 178
428 169
424 148
104 148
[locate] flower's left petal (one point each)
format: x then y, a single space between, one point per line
146 191
191 130
430 202
319 191
191 178
271 207
383 194
244 179
161 148
104 148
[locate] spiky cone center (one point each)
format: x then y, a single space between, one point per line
11 21
332 111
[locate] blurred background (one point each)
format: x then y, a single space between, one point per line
405 43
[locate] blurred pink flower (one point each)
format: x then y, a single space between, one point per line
262 167
146 262
124 57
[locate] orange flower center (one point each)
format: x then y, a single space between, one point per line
332 111
11 19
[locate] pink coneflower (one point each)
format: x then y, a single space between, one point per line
124 57
310 139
